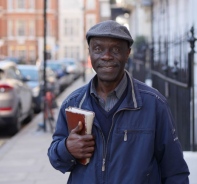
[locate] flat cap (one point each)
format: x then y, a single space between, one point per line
110 29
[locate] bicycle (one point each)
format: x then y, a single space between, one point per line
48 111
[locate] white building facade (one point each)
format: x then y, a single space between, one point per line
169 25
172 23
71 29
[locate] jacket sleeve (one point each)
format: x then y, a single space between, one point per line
168 151
59 156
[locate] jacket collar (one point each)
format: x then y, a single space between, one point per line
133 101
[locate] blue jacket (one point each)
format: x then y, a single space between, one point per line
142 147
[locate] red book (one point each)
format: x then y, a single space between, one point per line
73 116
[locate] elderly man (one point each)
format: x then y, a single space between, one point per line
133 137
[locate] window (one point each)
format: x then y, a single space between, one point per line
90 21
105 10
31 28
10 28
22 54
71 27
31 4
11 74
18 74
67 27
76 27
72 52
21 4
10 4
32 55
11 51
21 28
48 4
91 4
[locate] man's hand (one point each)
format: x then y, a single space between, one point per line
80 146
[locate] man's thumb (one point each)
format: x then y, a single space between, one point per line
78 128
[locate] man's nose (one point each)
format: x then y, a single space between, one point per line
107 55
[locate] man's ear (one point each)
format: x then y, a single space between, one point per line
89 50
129 51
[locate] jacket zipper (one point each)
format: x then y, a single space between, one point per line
104 151
125 135
105 146
103 165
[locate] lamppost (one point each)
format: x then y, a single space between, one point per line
44 70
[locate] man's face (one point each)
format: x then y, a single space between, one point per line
108 57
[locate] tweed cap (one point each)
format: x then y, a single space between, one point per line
110 29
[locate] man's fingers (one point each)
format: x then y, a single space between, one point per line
85 152
86 144
78 128
80 146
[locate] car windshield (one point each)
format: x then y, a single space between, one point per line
69 62
30 74
54 66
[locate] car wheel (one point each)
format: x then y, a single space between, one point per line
16 124
30 114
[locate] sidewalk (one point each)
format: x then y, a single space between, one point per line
24 160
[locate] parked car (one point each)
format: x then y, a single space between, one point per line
15 97
33 75
13 59
60 71
73 67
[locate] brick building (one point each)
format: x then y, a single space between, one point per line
21 29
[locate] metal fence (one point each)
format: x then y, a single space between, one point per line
171 67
